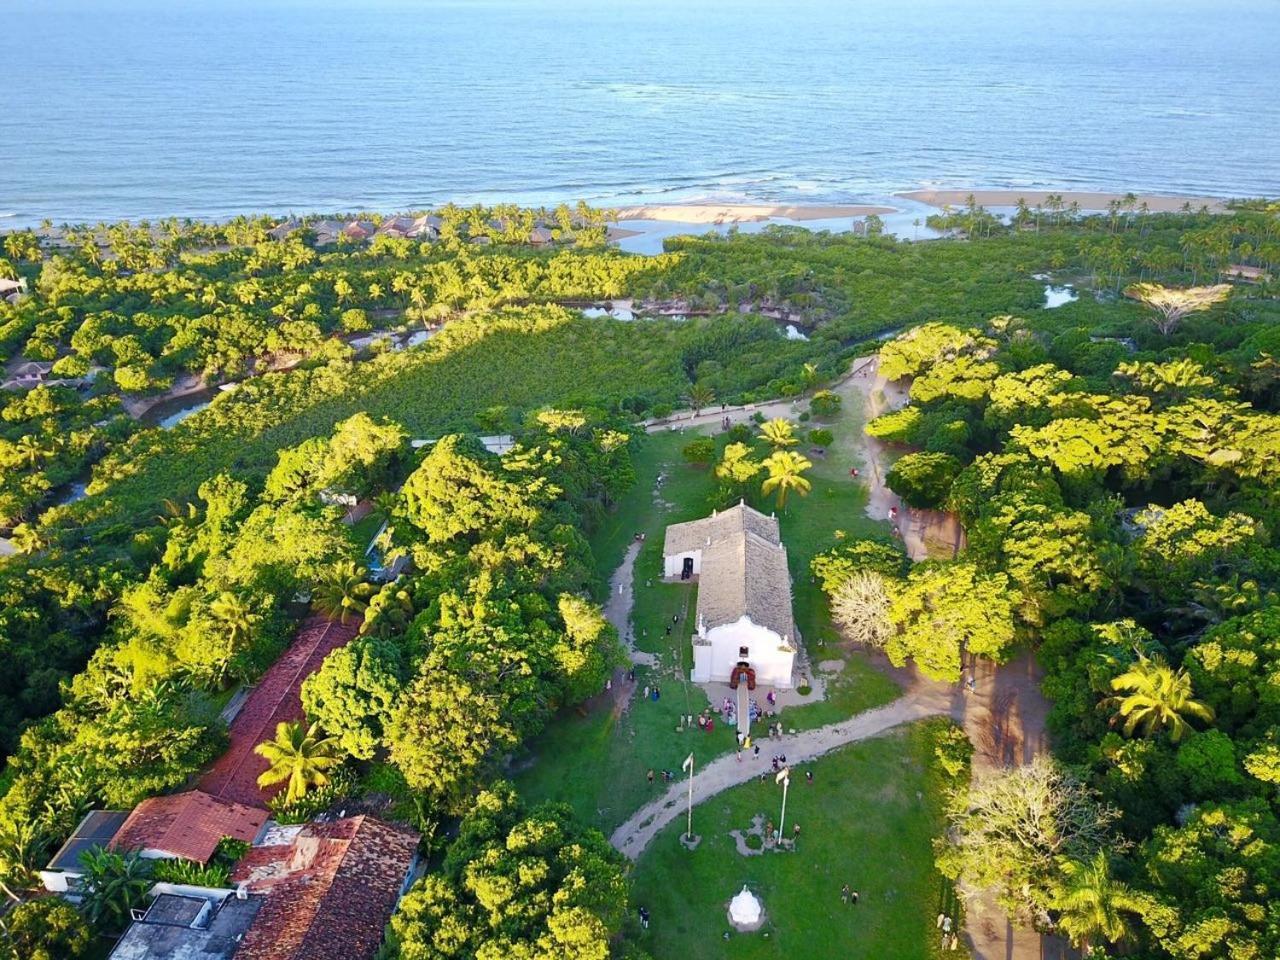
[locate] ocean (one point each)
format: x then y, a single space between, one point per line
149 108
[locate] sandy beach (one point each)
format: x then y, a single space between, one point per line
743 212
1087 201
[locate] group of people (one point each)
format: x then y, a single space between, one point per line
950 937
849 895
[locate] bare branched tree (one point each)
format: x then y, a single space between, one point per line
1172 304
861 608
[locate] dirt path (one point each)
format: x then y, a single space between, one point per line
925 533
621 599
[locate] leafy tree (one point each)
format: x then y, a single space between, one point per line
736 466
146 744
353 694
834 567
1213 883
786 473
897 426
860 607
515 883
1172 305
588 650
1208 760
113 885
1014 828
1157 697
923 480
298 757
911 353
45 929
944 609
1185 542
457 493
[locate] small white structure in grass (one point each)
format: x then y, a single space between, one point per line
745 631
745 911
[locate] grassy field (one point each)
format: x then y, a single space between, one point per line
867 820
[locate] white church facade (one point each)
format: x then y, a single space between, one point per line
744 628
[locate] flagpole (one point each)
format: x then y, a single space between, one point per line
688 765
785 778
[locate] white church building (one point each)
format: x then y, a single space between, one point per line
744 625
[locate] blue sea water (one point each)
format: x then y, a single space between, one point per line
204 108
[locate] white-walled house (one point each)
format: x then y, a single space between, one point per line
744 622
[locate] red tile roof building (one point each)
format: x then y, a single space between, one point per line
277 698
329 892
187 825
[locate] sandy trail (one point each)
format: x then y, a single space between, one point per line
621 599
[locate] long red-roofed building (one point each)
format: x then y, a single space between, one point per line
276 699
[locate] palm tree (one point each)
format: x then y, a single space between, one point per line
778 433
786 469
1092 903
342 592
385 504
298 757
1158 697
700 395
236 618
114 884
28 451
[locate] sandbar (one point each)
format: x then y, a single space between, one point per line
745 212
1087 200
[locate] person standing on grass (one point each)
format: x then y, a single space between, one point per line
853 898
845 894
651 776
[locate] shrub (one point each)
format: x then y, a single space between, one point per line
821 437
190 872
825 404
701 451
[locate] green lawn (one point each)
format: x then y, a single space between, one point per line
867 820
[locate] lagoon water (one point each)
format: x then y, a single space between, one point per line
146 108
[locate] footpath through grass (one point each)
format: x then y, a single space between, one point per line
867 820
